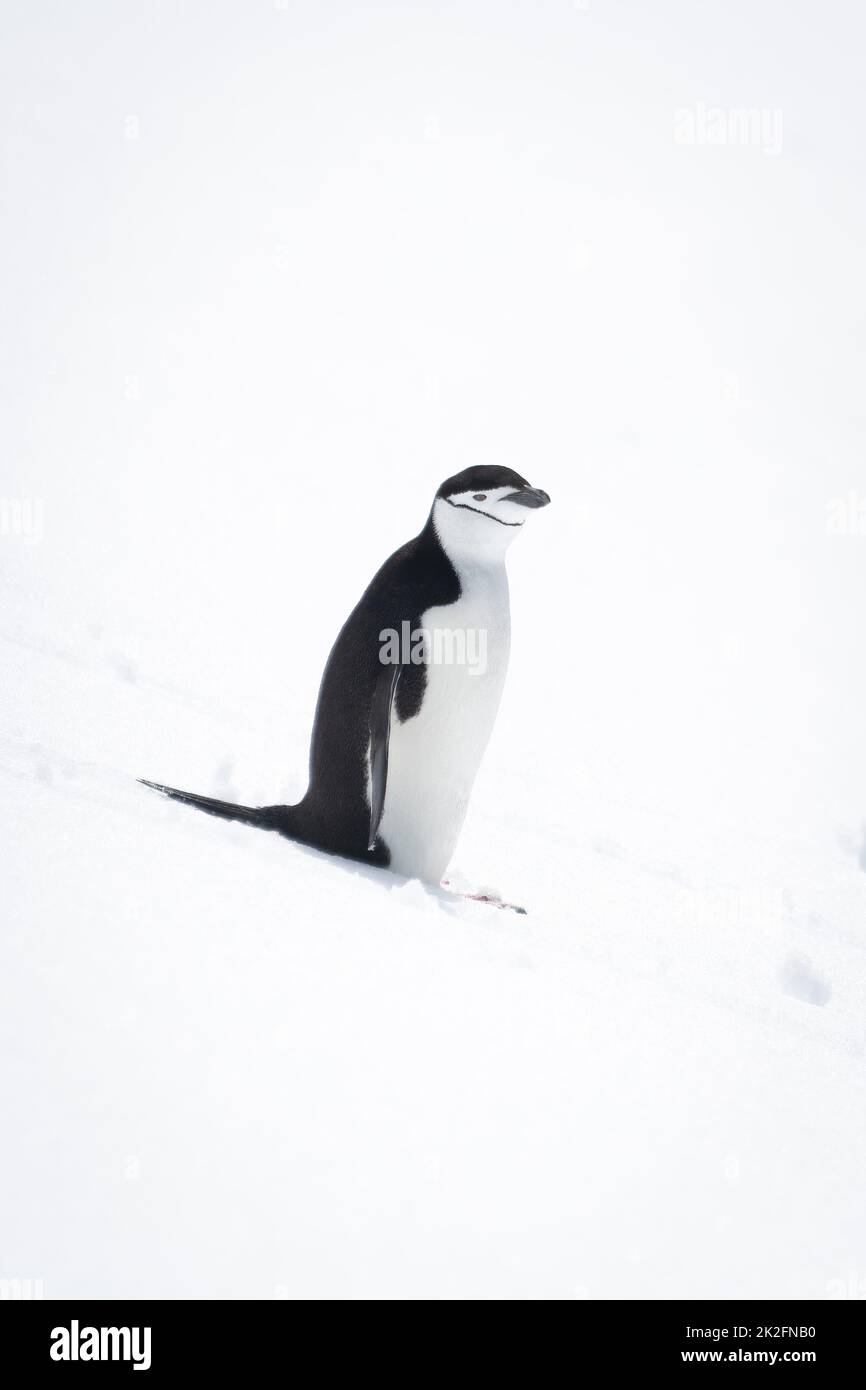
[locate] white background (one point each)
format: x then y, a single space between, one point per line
269 273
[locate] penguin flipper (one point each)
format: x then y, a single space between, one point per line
380 732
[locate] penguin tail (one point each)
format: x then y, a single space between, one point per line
265 817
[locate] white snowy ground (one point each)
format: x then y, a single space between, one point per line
271 277
232 1067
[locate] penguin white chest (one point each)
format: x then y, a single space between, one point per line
434 756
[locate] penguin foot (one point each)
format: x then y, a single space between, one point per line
492 899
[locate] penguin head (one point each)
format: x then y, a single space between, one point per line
482 509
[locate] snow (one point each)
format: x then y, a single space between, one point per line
336 263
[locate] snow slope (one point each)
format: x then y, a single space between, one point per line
233 1067
331 264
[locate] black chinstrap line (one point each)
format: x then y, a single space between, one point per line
466 507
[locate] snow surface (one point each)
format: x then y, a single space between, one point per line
274 276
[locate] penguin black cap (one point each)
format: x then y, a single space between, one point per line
486 477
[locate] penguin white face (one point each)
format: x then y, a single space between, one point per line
481 510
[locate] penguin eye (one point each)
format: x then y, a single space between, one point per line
479 497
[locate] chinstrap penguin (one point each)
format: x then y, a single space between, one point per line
401 726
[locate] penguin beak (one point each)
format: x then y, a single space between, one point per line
528 497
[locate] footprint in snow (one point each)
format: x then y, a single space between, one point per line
802 981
